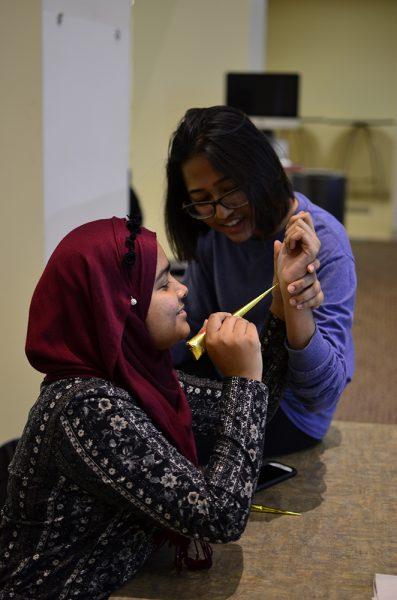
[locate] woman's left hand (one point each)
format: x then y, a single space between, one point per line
306 292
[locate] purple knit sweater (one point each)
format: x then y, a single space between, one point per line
228 275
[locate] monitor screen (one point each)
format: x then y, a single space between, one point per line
264 94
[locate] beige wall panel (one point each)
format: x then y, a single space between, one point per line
346 52
22 241
181 52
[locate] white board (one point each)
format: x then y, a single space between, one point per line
86 112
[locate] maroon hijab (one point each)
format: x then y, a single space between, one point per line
83 322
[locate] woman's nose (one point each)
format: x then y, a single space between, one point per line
221 212
183 290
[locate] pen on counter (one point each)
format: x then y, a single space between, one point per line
267 509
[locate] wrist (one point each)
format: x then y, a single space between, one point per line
277 305
284 293
253 375
277 308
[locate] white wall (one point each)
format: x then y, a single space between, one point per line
86 112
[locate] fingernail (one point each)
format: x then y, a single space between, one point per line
291 288
310 268
299 307
292 302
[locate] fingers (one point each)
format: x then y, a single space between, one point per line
240 330
234 327
304 215
300 231
311 297
235 347
229 328
214 322
277 248
300 237
314 266
314 302
225 323
306 292
204 326
228 325
296 287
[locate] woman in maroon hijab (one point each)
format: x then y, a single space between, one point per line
106 467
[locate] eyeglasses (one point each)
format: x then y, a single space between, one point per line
235 198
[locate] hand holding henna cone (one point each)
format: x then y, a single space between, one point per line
197 343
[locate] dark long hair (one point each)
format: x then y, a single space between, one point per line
235 148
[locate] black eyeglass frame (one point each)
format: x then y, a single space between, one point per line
213 204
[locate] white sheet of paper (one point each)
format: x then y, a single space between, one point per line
385 587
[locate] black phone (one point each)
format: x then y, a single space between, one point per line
272 473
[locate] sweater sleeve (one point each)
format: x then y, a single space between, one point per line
116 453
319 372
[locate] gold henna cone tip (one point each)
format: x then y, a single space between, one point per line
197 343
244 309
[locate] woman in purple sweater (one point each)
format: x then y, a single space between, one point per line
228 204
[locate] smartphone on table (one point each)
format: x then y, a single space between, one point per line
273 472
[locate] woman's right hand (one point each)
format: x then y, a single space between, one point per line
233 346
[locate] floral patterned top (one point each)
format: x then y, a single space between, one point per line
93 480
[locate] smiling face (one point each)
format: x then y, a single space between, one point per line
203 182
166 318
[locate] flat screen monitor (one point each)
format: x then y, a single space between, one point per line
269 99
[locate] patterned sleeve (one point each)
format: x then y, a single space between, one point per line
204 397
275 361
116 453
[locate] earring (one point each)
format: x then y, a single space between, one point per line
133 301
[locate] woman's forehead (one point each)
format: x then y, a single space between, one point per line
162 260
199 173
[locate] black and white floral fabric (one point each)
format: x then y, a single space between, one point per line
93 481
